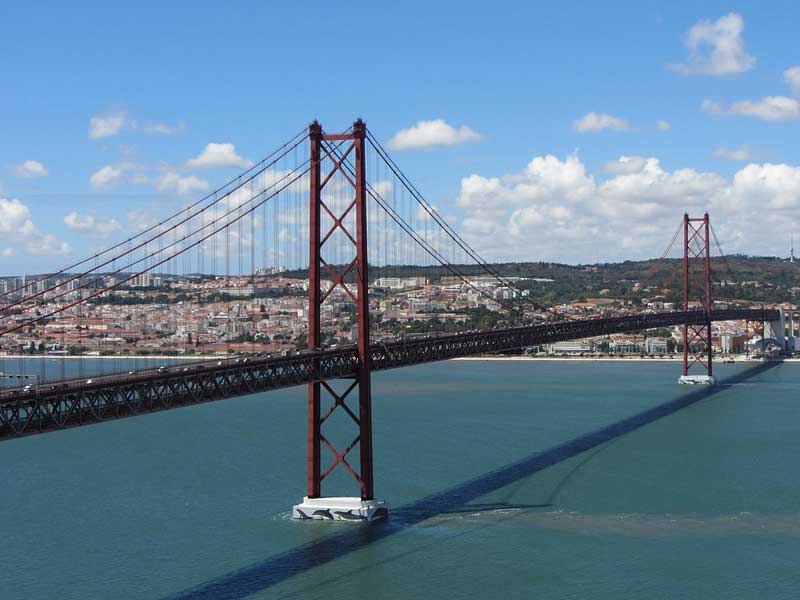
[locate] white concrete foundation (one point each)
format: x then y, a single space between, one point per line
697 380
340 509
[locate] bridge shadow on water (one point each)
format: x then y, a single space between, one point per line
457 499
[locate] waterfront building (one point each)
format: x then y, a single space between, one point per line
656 346
570 347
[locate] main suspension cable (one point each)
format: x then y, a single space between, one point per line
403 224
170 257
260 167
724 258
452 234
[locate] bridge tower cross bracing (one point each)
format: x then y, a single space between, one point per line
697 349
315 505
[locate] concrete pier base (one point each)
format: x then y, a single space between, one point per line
340 509
697 380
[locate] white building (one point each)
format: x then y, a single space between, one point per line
625 346
400 283
570 347
656 346
141 280
242 291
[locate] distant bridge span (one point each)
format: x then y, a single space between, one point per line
73 403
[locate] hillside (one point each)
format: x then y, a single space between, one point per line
757 279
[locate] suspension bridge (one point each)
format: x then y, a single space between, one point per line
319 220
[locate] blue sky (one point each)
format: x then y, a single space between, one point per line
167 79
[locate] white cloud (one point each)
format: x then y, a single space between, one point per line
173 182
218 155
716 48
775 187
713 108
652 189
29 168
625 165
792 78
42 244
545 177
101 126
141 219
163 128
739 154
137 174
770 108
91 224
593 122
13 215
662 125
423 215
18 229
428 134
555 210
106 125
107 175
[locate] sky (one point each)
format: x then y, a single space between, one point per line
573 132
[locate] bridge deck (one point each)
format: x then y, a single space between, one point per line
72 403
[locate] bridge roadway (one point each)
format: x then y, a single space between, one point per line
71 403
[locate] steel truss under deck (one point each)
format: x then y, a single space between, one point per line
72 403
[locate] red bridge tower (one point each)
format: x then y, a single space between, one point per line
697 337
315 505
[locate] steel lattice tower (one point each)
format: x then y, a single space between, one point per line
696 237
316 439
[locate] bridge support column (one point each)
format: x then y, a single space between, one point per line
334 158
697 348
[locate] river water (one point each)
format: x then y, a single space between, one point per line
507 479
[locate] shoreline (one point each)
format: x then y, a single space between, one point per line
603 359
737 359
119 357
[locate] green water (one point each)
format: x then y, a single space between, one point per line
507 480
